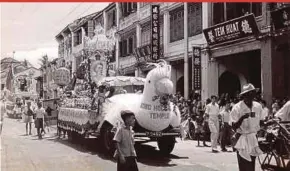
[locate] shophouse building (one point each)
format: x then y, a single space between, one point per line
134 34
244 47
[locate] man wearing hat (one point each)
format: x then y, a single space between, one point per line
245 119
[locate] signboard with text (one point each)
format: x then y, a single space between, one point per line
196 64
238 28
143 53
155 32
281 18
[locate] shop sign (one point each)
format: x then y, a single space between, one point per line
196 63
281 18
61 76
143 53
155 32
232 30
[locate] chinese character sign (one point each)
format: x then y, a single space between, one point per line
196 63
155 32
238 28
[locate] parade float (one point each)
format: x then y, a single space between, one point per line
92 102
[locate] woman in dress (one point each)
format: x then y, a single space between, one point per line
28 117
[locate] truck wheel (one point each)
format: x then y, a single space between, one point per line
107 139
69 135
166 145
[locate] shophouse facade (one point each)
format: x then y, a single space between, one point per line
134 33
260 58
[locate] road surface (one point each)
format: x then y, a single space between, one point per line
27 153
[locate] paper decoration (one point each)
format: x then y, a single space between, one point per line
61 76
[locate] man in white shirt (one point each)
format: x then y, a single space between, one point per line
212 111
284 112
225 128
265 113
40 112
245 119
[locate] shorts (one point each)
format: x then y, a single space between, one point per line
28 119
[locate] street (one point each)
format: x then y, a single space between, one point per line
20 152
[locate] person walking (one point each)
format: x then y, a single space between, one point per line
212 111
3 111
225 127
28 117
40 114
125 152
245 119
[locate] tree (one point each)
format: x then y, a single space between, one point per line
44 61
25 63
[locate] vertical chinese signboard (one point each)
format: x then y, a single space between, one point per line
196 63
155 33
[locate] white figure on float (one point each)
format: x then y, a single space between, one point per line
153 109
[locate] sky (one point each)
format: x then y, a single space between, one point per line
29 29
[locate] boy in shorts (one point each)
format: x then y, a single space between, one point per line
124 137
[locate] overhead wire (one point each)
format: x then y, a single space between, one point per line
71 11
80 15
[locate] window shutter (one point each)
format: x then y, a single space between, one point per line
121 49
125 46
135 6
114 17
129 7
125 12
75 38
91 29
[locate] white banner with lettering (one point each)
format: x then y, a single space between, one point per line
79 120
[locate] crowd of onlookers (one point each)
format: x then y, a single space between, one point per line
193 113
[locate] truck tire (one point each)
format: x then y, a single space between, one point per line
107 139
69 135
166 145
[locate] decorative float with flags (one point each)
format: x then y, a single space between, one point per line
92 101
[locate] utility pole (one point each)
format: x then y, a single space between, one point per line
186 88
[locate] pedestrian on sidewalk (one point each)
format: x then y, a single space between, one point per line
40 114
125 152
212 111
3 111
245 119
28 117
226 128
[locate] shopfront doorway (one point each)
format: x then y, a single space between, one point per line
229 83
239 69
180 85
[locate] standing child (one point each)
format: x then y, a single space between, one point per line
125 143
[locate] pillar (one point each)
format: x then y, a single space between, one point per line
138 42
266 61
266 70
117 52
204 74
105 21
118 11
73 57
186 82
212 77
